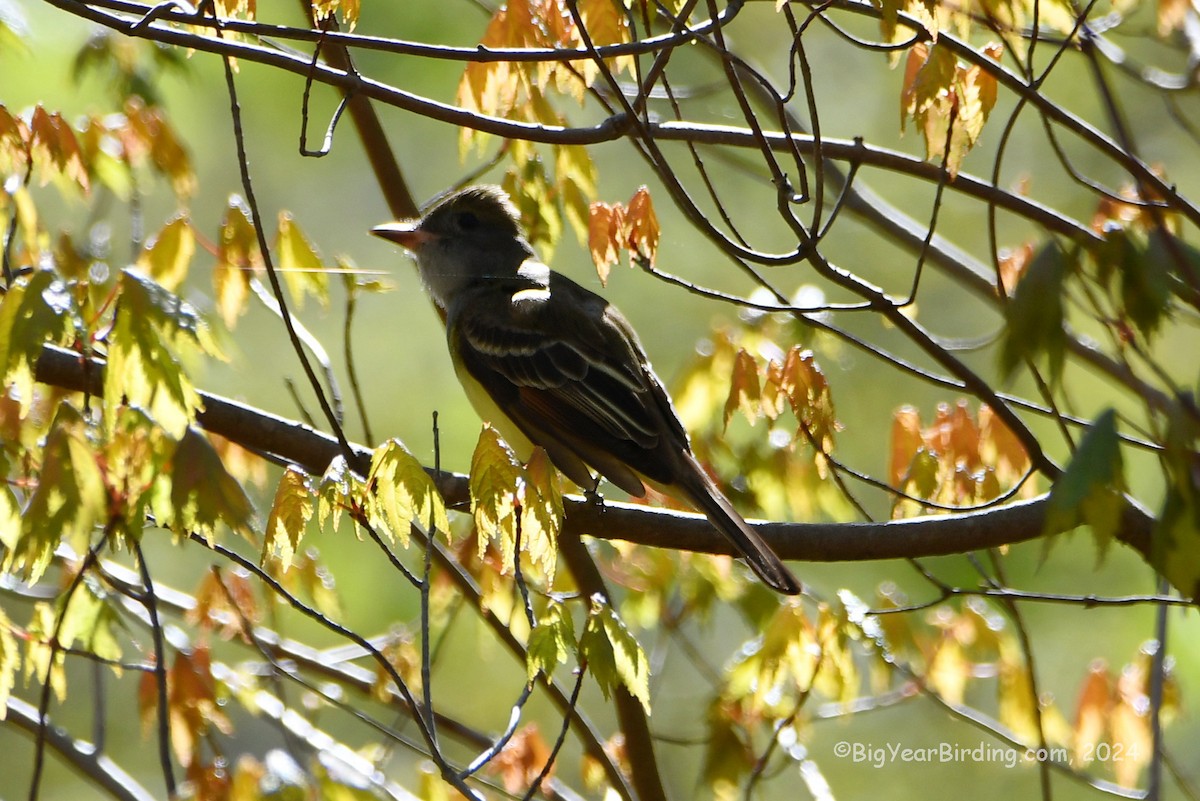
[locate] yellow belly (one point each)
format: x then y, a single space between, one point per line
489 412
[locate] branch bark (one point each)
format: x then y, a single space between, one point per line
296 443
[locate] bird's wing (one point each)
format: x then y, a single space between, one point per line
587 385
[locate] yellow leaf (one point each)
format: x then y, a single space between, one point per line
403 494
551 642
38 664
606 23
203 493
1015 690
299 263
238 255
948 671
613 655
541 512
290 513
68 500
167 257
495 473
152 329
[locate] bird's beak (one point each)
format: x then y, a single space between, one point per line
404 233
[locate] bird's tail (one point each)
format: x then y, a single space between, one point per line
707 498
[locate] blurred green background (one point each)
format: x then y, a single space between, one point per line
406 377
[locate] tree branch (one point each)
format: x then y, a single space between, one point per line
939 535
101 771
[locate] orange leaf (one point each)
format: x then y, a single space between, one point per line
603 221
906 439
1092 711
54 140
522 759
744 390
644 231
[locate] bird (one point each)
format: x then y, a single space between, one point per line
550 363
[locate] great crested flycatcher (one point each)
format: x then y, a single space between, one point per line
550 363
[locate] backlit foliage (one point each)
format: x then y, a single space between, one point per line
498 654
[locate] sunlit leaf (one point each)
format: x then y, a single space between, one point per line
575 175
605 222
1015 694
338 490
403 655
552 641
301 267
290 513
495 473
36 310
68 501
613 656
541 512
323 9
403 493
55 147
90 623
238 255
202 491
948 671
167 257
643 227
38 662
152 326
744 390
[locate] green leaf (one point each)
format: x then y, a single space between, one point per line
1034 314
202 491
1176 545
613 656
69 499
290 513
1145 284
551 642
35 311
1090 489
154 328
404 494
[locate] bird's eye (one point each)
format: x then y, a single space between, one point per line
468 221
